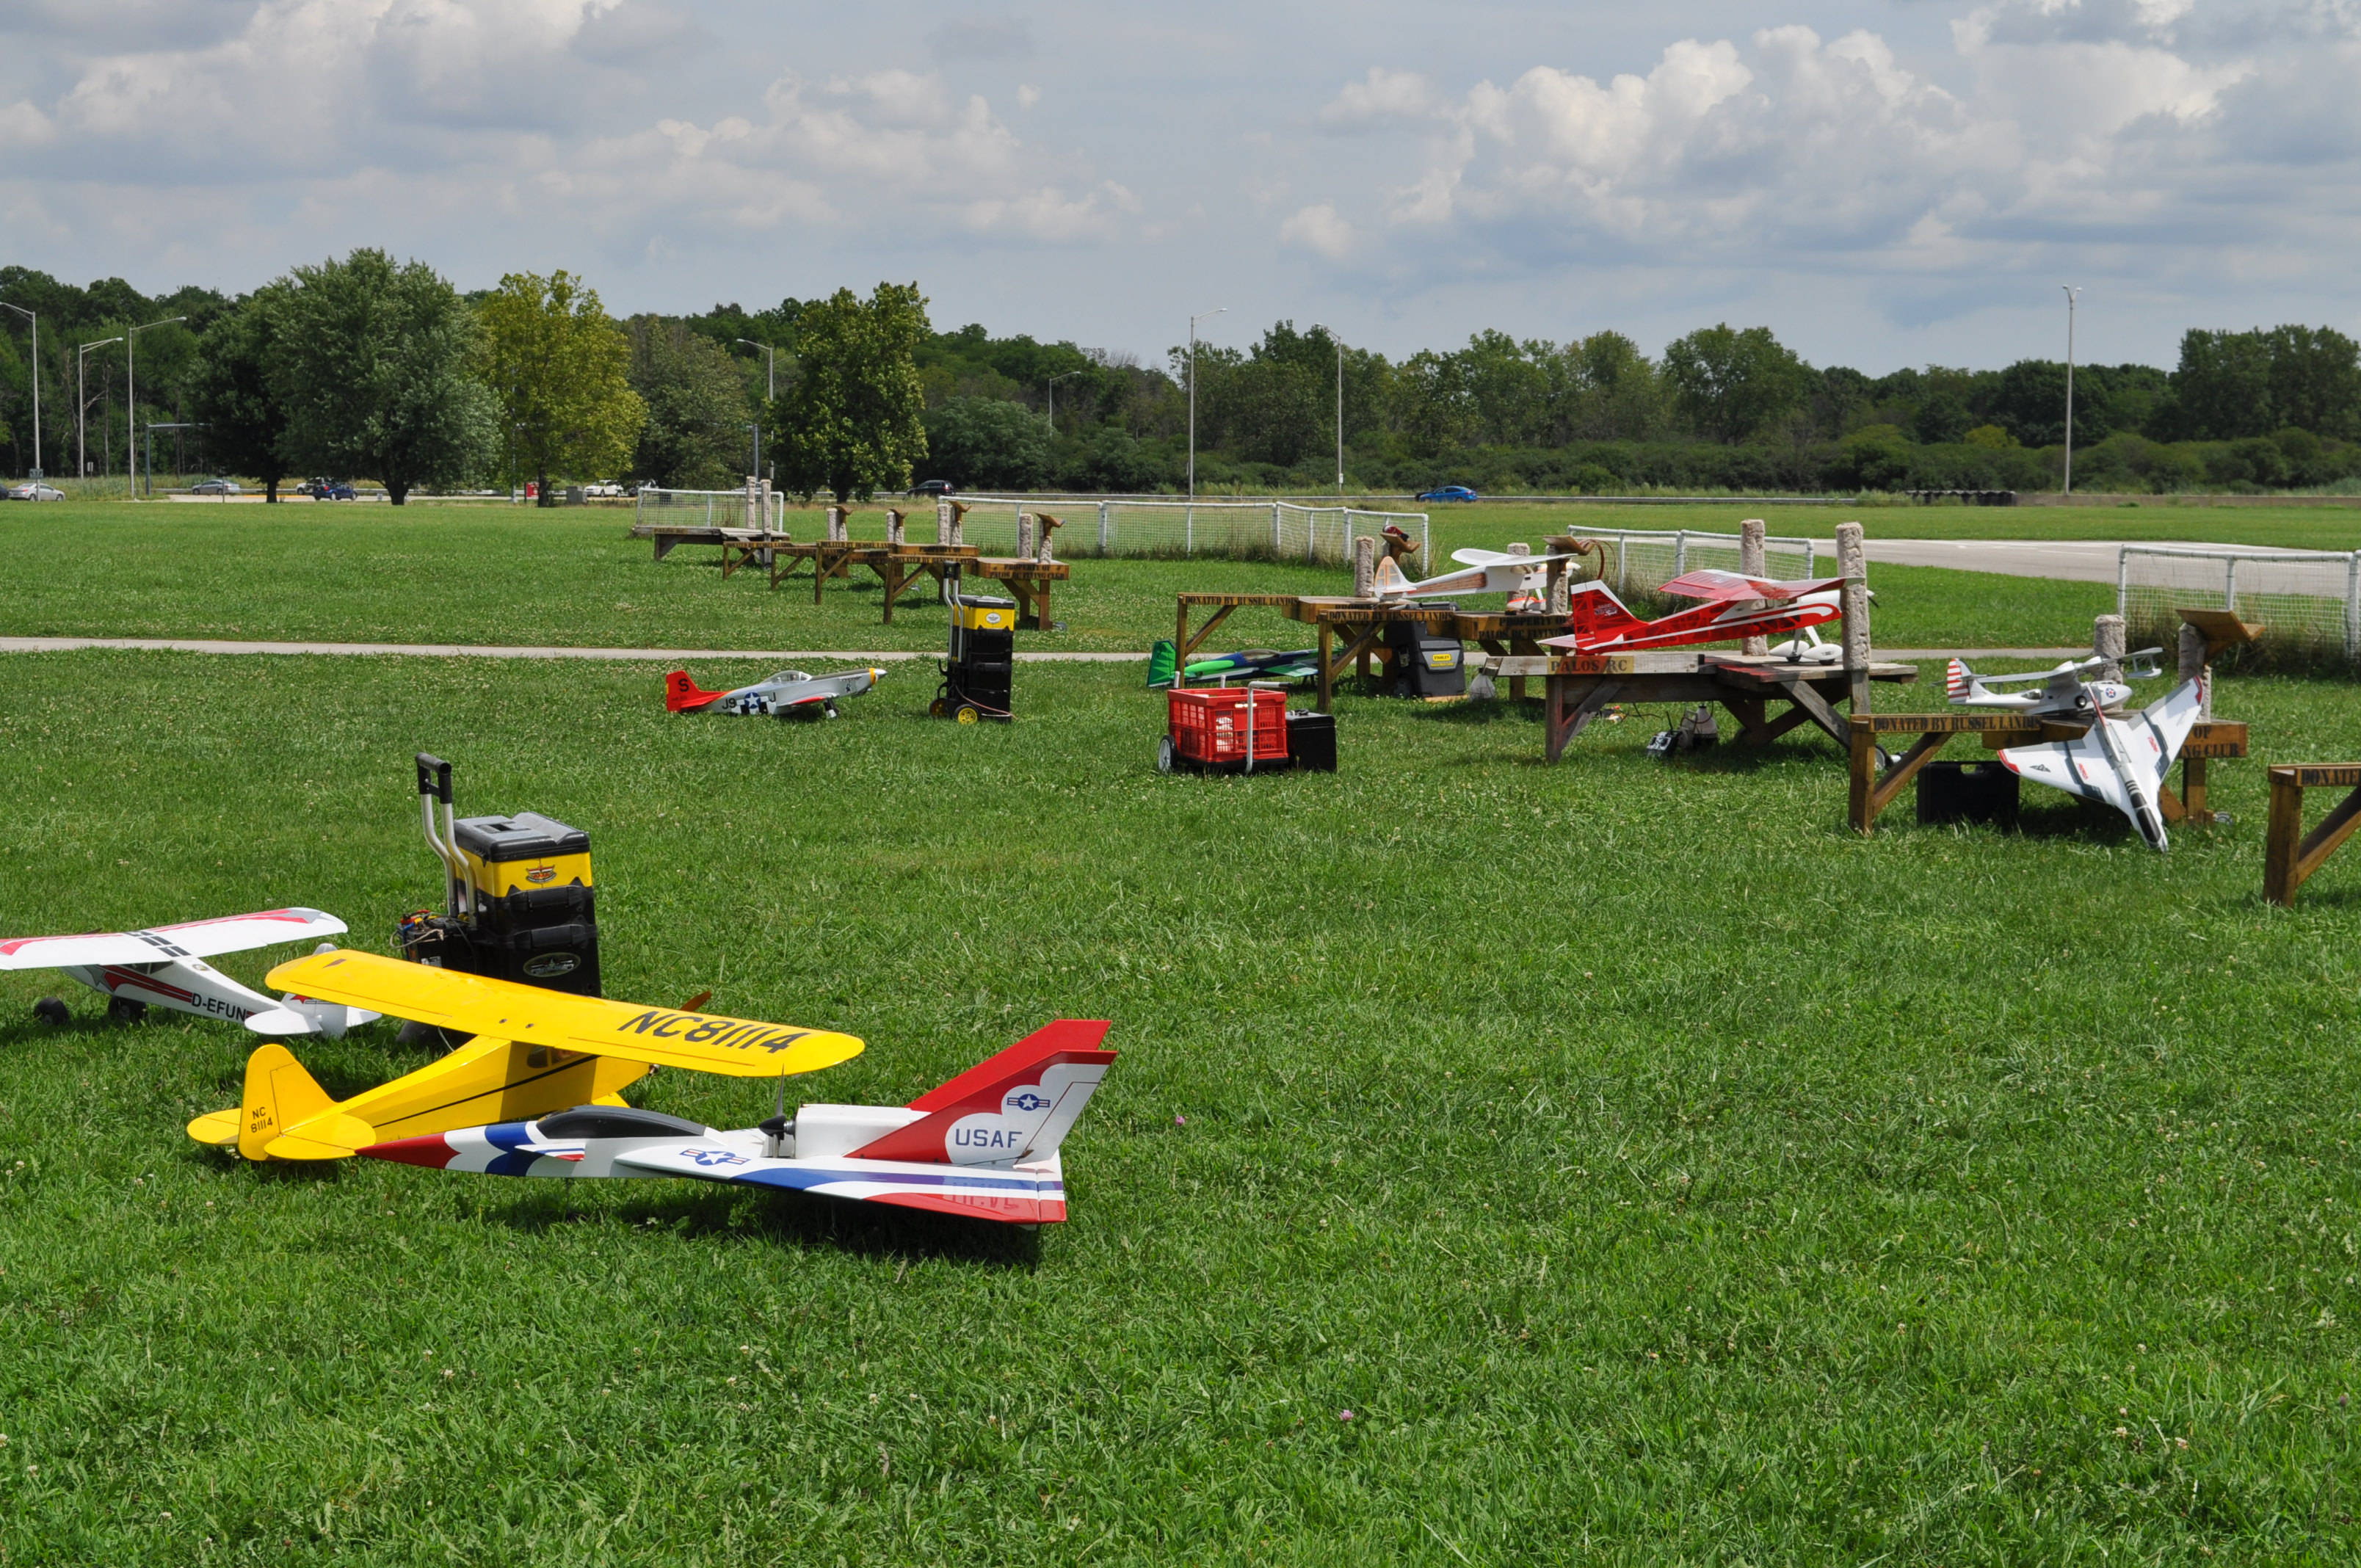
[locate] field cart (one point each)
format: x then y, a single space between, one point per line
1243 730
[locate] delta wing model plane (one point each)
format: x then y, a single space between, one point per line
2120 761
1734 604
789 694
529 1051
2064 693
164 966
984 1144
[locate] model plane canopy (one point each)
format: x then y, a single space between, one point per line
500 1009
160 944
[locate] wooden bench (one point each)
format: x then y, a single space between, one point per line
2290 854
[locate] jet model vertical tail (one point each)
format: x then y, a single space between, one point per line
1017 1105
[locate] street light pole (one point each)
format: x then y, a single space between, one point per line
1062 376
1340 417
1200 315
131 379
2071 293
770 396
35 320
81 405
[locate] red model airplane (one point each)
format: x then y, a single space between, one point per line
1735 606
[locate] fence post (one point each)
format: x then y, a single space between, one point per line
1189 531
1680 552
1426 541
1274 529
1103 527
1365 566
1749 564
1852 561
2123 580
2107 642
2352 606
2230 584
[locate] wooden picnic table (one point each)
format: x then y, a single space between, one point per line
1581 684
1872 791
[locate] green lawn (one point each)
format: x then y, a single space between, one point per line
573 578
1654 1171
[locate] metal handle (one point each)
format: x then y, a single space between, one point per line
434 777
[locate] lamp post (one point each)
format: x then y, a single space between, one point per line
2071 293
1193 393
131 382
1340 417
35 320
772 355
1062 376
81 405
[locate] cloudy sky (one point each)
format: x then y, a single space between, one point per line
1882 183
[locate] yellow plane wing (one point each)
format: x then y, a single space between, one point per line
471 1004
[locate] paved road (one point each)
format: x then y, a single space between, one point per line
2067 560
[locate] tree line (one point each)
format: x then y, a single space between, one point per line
367 366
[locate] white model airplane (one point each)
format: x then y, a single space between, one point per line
1495 572
2064 693
2120 761
165 965
984 1144
784 695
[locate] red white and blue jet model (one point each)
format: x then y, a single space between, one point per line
984 1144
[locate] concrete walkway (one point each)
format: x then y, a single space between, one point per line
2065 560
682 655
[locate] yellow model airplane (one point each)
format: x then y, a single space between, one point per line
531 1052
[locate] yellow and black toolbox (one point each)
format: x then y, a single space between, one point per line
520 903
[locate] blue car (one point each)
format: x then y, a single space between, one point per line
1449 493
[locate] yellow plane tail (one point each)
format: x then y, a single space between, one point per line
281 1096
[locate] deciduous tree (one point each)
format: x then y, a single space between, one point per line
1730 383
850 422
560 368
695 437
374 371
231 391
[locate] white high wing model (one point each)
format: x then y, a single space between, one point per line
2121 760
165 965
1493 572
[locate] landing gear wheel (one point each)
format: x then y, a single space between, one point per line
968 713
1164 753
829 711
936 708
123 1010
52 1012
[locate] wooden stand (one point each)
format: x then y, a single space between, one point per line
1872 791
1028 584
1580 685
739 545
2290 854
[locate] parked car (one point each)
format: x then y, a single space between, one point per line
1449 493
215 487
333 490
594 491
34 492
933 488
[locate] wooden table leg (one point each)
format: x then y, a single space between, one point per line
1749 711
2192 789
1563 721
1869 793
1527 647
1327 669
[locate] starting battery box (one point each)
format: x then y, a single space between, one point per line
982 655
1425 662
522 906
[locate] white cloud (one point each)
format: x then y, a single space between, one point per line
1382 96
1319 228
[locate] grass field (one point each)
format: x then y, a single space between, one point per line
572 578
1654 1171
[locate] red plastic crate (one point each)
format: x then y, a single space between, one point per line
1209 725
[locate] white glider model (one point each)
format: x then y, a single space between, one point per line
984 1144
165 965
787 694
2064 693
2120 761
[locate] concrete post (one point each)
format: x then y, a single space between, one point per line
753 501
1853 562
1561 577
2193 667
1046 526
1365 567
840 524
2107 642
942 519
1024 534
895 533
959 530
1749 562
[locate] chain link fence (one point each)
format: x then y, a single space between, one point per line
2310 599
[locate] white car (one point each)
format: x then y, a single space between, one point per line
34 492
215 487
